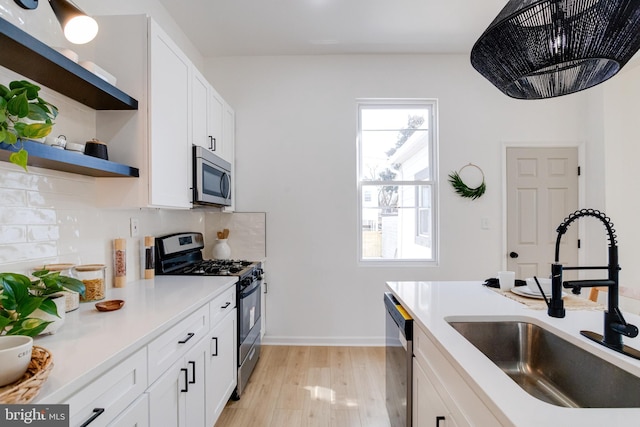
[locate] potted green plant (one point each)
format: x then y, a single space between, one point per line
23 114
21 297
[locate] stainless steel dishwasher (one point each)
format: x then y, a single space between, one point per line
399 366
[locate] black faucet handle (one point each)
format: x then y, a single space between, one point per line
622 326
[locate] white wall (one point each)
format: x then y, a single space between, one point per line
296 155
621 132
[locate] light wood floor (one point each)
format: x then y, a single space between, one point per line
312 386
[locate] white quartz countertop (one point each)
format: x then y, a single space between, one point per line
431 304
92 342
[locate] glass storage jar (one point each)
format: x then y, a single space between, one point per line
93 277
71 299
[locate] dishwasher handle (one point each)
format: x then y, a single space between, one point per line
399 315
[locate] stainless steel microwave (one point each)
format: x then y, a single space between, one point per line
211 178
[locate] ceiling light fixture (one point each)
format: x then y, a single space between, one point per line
78 28
543 49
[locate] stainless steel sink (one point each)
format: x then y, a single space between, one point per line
550 368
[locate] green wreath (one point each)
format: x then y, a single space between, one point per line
462 189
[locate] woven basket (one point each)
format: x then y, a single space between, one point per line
27 388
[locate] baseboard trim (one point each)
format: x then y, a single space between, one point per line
325 341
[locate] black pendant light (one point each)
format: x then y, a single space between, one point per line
78 27
542 49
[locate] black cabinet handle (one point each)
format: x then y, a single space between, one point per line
193 372
186 380
189 336
438 419
216 353
226 305
96 413
513 255
212 143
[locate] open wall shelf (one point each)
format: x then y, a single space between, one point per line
33 59
44 156
36 61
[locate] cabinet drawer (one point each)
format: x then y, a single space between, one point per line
222 305
111 393
173 344
466 407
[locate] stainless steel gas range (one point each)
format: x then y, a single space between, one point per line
181 254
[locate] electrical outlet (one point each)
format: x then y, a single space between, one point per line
135 227
484 223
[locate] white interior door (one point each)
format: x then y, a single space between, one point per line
542 189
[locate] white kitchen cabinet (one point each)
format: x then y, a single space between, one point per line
229 144
156 138
438 390
176 342
222 366
177 398
218 144
428 407
212 119
136 415
166 397
200 110
109 395
169 149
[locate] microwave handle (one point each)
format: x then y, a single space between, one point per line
227 194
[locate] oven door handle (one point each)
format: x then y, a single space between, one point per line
246 294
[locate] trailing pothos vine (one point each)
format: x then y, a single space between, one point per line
23 114
462 189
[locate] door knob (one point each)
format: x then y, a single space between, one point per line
513 254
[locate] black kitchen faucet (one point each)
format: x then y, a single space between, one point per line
614 324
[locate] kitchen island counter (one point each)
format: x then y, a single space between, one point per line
90 342
433 304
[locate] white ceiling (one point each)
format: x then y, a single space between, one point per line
298 27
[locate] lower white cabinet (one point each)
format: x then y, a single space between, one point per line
108 396
181 378
193 391
428 407
136 415
177 398
441 397
221 368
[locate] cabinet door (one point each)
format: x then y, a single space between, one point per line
216 108
167 397
136 415
222 367
428 407
200 110
195 401
169 122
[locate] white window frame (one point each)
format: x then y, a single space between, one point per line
432 104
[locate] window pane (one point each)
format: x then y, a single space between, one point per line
392 222
388 118
394 142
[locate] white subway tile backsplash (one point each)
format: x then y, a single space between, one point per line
43 233
13 253
13 234
19 215
12 197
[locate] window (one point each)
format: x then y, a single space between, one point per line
397 142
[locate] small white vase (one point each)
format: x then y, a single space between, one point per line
51 328
221 249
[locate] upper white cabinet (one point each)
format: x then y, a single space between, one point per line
177 108
209 118
169 164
